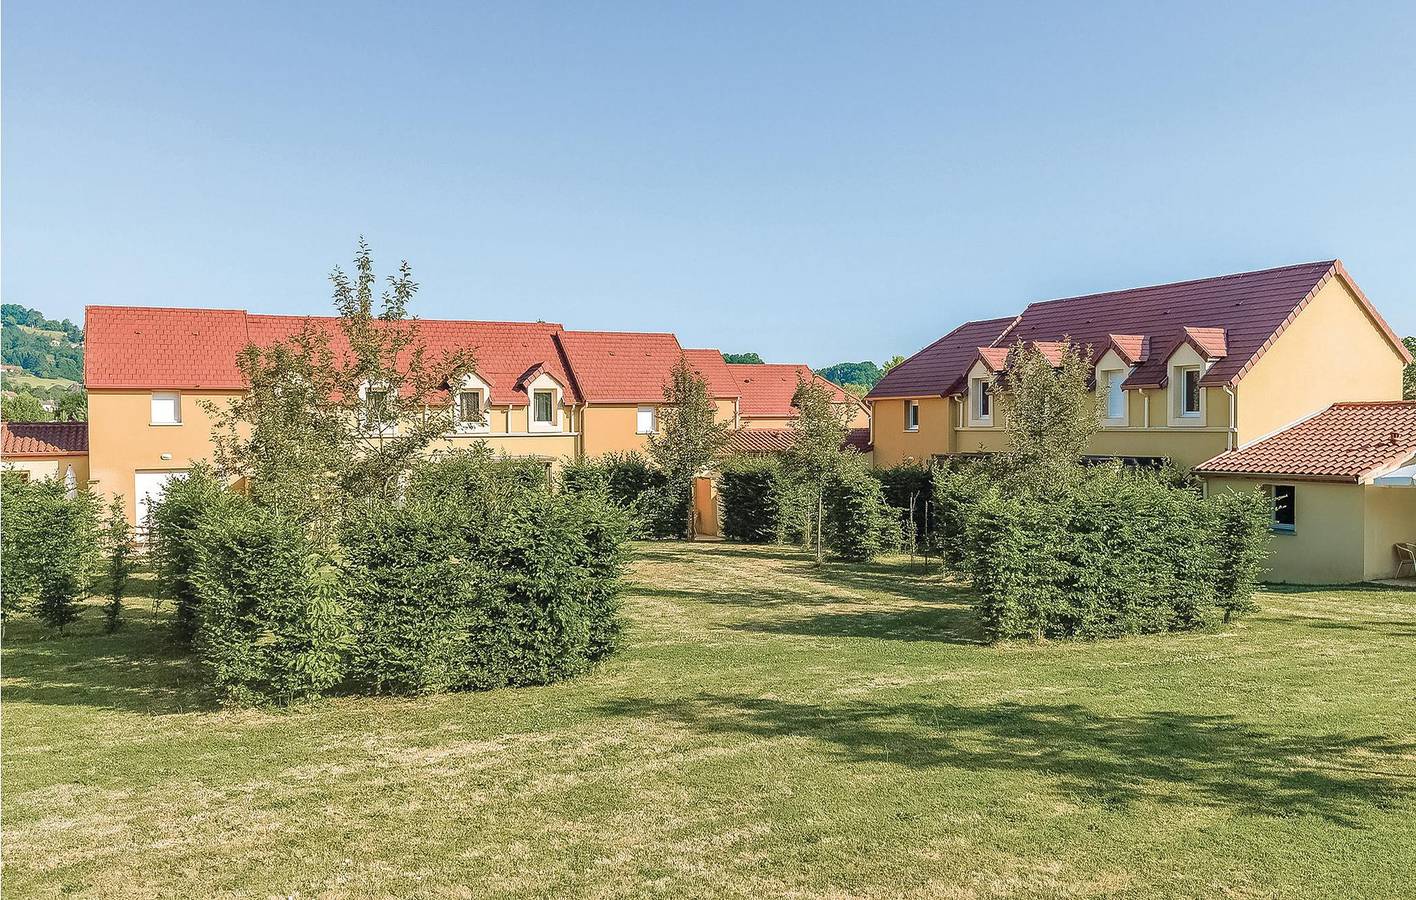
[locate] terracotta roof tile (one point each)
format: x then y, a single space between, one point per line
780 440
621 366
767 389
43 438
934 370
1345 442
995 358
712 368
1132 348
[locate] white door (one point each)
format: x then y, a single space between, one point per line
148 488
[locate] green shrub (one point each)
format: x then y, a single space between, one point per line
272 625
631 481
956 489
860 525
1240 535
51 547
908 489
460 589
172 523
118 542
751 497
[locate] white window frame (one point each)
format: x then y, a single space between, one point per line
981 392
1183 374
175 397
482 422
550 396
639 414
912 415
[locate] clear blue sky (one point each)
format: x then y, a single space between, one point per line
815 182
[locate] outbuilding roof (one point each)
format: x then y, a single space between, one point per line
21 439
1345 442
780 440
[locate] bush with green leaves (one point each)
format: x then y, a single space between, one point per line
908 488
860 525
480 585
51 547
1239 531
118 545
631 481
749 489
173 523
272 622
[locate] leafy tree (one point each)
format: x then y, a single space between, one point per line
1408 378
863 373
742 359
1051 414
814 460
691 438
118 540
72 406
22 408
891 363
319 430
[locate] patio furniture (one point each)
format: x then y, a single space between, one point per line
1405 557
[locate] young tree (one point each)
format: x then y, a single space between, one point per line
118 537
22 408
814 460
691 437
1051 413
338 417
1408 377
72 406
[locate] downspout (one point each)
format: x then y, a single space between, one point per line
1231 438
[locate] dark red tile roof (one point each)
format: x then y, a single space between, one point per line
767 389
780 440
43 438
934 370
1232 319
1345 442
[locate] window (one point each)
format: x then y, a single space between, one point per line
167 409
1285 506
1190 391
645 422
912 415
469 407
982 394
542 407
376 407
1115 394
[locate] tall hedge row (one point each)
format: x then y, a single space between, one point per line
633 483
480 577
50 547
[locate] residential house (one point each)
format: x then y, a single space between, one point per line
46 450
1186 372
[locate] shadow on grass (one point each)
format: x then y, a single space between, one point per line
1107 760
1382 627
139 669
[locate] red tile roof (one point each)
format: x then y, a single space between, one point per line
43 438
780 440
767 389
140 347
1345 442
934 370
1132 348
995 358
712 368
621 366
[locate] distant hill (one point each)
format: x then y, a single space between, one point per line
41 347
864 374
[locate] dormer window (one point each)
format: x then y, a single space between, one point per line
981 395
1189 378
543 407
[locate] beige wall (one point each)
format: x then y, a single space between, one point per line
611 428
38 467
121 440
894 445
1390 519
1332 351
1335 533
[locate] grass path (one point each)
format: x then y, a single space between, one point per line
770 729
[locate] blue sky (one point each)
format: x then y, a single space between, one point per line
815 182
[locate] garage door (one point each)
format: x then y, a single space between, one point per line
148 488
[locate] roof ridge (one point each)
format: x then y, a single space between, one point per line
1185 281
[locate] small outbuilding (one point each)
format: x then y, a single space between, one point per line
1343 483
46 450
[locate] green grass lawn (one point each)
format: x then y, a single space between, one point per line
769 729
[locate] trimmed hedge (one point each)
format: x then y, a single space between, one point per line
860 525
909 489
173 523
631 481
50 548
752 509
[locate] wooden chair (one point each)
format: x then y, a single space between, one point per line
1405 557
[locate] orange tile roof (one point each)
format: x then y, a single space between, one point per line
1132 348
712 368
621 366
1345 442
995 358
768 388
780 440
43 438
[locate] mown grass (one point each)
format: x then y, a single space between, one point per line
770 729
